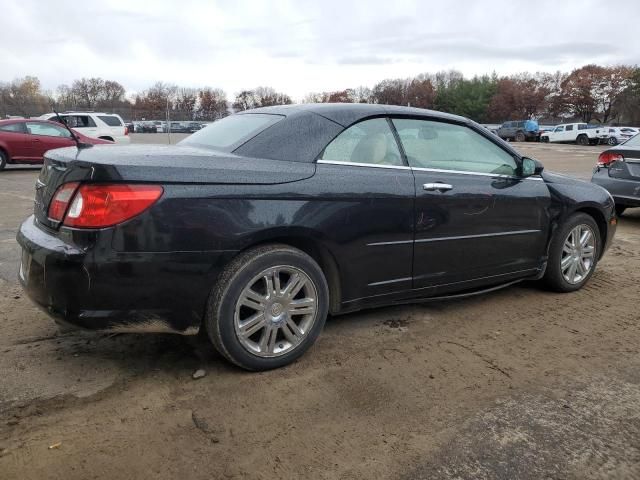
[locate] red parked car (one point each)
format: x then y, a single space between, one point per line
25 140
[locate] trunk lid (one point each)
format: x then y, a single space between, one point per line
160 164
630 168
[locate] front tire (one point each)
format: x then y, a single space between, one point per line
3 160
612 141
582 140
268 307
520 137
573 254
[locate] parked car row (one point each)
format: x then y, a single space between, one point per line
579 133
159 126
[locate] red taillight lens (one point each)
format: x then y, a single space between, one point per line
607 158
99 206
60 201
126 130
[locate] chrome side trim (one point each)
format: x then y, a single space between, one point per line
460 237
480 235
417 169
397 242
353 164
385 282
481 174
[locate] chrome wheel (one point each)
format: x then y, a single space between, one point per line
275 311
578 254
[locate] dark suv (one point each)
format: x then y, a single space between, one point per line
519 131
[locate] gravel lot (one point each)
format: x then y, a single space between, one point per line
520 383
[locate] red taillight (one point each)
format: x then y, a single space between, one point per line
60 201
99 206
607 158
126 130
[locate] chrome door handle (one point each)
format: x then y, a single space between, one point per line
441 187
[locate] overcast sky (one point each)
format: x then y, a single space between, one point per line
301 46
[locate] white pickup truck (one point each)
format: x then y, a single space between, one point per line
579 133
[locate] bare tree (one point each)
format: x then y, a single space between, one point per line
23 97
212 104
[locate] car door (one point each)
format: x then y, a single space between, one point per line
46 136
371 214
475 218
569 134
15 138
557 134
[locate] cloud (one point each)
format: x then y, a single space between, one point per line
300 45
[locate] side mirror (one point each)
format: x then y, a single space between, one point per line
531 166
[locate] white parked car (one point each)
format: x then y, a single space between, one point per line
106 126
579 133
616 135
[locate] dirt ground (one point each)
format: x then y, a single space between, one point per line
520 383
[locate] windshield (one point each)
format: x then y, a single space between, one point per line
633 142
231 132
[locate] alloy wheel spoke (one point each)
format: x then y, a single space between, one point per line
566 262
304 306
586 236
295 284
252 325
268 339
253 300
581 268
572 270
572 238
292 332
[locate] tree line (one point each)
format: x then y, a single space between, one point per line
592 93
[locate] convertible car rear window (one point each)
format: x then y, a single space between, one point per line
230 132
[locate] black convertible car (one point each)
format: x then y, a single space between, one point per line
258 226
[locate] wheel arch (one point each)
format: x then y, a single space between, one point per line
600 220
5 151
106 137
309 243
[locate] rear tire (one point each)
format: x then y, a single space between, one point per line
620 209
3 160
573 254
544 139
582 140
268 307
612 141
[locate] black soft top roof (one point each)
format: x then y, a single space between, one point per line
347 113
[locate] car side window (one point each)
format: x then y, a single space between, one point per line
446 146
46 129
13 127
368 142
569 128
559 129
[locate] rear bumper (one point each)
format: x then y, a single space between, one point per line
624 192
99 289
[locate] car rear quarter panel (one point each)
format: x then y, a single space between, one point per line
331 210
